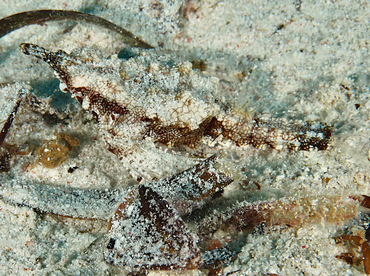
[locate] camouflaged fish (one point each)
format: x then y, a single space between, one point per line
150 107
144 226
149 110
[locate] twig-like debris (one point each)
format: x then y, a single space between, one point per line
9 121
19 20
4 154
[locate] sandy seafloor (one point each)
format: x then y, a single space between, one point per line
310 62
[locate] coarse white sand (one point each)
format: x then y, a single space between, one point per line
306 60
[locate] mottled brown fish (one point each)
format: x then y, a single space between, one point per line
149 101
